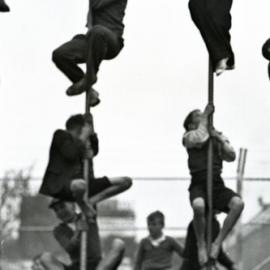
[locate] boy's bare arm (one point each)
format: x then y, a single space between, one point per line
196 138
227 151
178 248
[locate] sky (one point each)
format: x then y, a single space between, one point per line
146 92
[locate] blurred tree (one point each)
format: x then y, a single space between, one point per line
13 186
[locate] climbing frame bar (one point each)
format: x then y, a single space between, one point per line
210 164
86 173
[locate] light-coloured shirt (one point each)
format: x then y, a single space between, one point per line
196 138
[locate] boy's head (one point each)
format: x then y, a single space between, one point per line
65 211
80 123
193 120
155 223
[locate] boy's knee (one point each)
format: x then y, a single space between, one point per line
59 55
78 186
237 204
46 258
126 182
56 56
198 206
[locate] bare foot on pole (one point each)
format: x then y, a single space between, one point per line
215 249
202 255
221 66
89 212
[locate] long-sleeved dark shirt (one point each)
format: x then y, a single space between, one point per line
65 161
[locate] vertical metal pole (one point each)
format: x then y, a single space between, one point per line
87 163
86 169
210 164
240 178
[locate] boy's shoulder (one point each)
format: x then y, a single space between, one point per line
60 132
61 135
145 240
170 238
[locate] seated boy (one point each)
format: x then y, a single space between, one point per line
191 261
3 6
196 140
155 251
63 178
266 53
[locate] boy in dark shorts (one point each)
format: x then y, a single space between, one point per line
196 140
191 261
155 251
63 178
213 19
266 53
68 235
103 41
3 6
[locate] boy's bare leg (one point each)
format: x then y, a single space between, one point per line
199 224
114 257
119 185
78 188
236 207
49 262
3 6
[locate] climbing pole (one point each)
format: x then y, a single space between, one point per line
88 173
210 164
88 167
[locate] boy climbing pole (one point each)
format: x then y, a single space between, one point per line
103 41
196 140
213 19
3 6
63 178
68 235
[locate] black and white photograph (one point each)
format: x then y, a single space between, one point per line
134 135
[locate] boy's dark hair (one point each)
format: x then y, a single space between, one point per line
156 215
75 121
188 120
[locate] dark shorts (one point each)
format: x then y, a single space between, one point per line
221 194
96 186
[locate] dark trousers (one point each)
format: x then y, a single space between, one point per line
213 19
98 44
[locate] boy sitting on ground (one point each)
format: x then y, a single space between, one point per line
155 251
